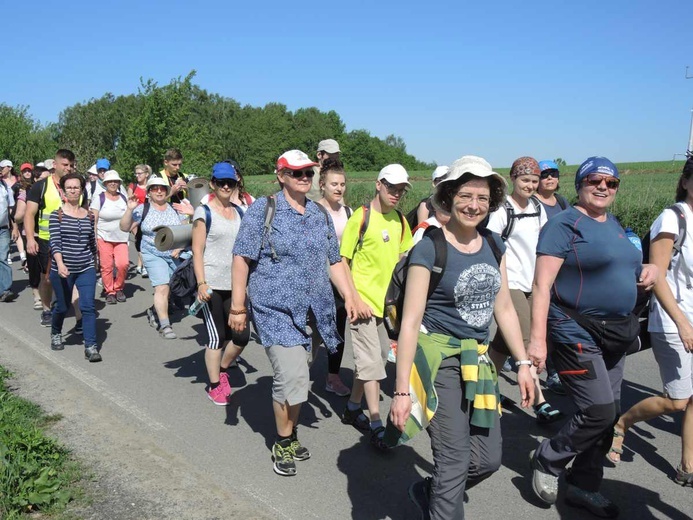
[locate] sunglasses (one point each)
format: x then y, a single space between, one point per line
297 174
549 173
225 183
158 188
391 188
594 179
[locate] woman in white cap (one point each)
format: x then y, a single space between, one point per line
274 257
442 361
425 209
160 264
109 206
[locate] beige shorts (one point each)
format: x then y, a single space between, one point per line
370 344
523 306
291 379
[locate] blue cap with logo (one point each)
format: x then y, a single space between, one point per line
547 165
223 170
595 165
103 164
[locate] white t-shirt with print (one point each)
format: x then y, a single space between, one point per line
521 246
667 222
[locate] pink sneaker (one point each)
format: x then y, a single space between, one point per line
224 381
218 395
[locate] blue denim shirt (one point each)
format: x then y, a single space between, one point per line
283 289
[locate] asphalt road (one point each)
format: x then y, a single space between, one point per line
148 398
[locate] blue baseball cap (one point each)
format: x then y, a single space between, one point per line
547 165
103 164
595 165
223 170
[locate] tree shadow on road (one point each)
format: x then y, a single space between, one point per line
254 403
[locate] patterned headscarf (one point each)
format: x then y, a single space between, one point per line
525 166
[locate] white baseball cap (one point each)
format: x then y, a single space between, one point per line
394 174
49 164
329 146
440 171
92 170
6 163
294 160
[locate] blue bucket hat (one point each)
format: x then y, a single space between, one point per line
547 165
595 165
103 164
223 170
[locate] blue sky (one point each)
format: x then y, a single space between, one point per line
498 79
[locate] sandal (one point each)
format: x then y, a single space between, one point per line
377 439
167 333
546 413
682 478
616 447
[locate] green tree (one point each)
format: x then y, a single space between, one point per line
22 138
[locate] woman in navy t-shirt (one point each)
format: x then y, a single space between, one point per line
587 268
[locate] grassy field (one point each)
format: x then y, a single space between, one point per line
646 189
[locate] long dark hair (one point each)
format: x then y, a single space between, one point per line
681 192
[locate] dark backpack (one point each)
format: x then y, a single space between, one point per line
102 199
394 297
512 216
413 215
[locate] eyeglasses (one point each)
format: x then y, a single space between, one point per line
225 183
594 179
468 198
549 173
140 173
391 188
297 174
158 188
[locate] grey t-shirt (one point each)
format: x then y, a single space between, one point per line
218 249
462 304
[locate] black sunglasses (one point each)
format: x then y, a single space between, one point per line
297 174
549 173
225 183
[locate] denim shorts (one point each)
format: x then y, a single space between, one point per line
159 269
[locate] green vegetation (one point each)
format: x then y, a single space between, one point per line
646 189
36 473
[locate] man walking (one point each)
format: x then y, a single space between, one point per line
173 160
327 149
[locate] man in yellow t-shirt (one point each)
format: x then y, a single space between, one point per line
373 257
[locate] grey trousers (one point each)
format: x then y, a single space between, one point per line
593 380
463 455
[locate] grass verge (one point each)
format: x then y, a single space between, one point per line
37 472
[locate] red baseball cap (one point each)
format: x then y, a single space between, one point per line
294 160
26 166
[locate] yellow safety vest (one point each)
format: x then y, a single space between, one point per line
52 201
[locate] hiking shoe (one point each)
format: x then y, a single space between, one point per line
545 413
218 395
283 457
57 342
544 484
151 318
167 333
553 383
357 419
420 494
593 501
111 299
7 296
38 306
120 297
377 441
46 318
336 386
78 327
299 452
392 353
682 478
91 354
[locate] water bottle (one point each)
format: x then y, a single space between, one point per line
634 239
197 304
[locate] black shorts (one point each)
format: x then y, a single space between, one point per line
38 265
216 317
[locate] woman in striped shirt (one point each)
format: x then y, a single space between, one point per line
73 254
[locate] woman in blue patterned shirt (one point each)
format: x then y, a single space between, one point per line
273 263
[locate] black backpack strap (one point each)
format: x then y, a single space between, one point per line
510 224
270 211
365 218
678 243
562 201
145 210
488 236
402 219
440 246
348 212
327 217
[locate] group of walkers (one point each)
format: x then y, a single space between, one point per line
305 269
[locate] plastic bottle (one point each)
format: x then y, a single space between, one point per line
634 239
194 309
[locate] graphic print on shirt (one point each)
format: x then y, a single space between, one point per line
475 293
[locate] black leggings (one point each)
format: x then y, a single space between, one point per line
216 317
334 360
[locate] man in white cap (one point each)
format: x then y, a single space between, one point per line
8 229
374 239
327 149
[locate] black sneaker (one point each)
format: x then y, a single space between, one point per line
420 494
283 457
357 419
120 297
300 452
7 296
91 354
57 342
111 299
78 328
46 318
593 501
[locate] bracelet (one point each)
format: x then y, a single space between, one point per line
524 362
402 394
238 312
202 283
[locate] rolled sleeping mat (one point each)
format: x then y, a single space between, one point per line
197 189
173 237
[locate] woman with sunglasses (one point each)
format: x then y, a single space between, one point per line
671 329
215 226
547 191
73 258
583 255
275 259
160 264
138 189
